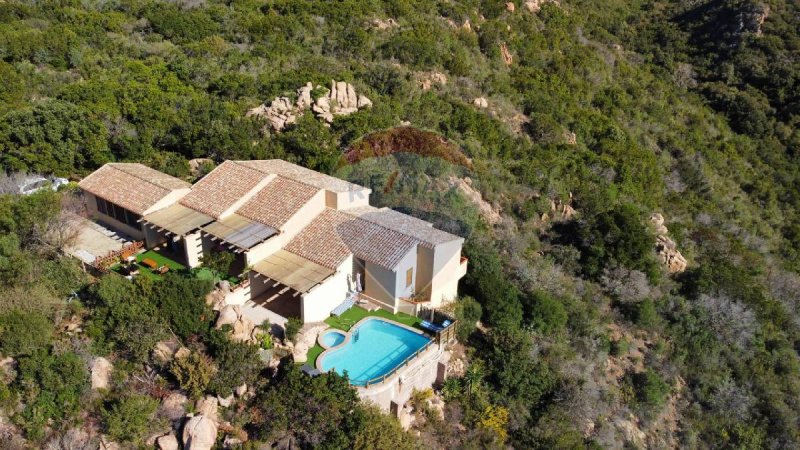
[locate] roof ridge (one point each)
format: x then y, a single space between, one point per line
278 175
404 233
384 227
115 165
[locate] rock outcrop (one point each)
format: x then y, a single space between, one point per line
666 248
481 102
506 54
100 373
752 18
244 330
562 210
383 24
464 186
427 80
174 406
340 100
197 165
167 442
535 6
164 352
199 433
305 341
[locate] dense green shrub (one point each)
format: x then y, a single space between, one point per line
129 418
650 388
500 299
23 333
312 411
617 237
237 362
53 388
181 301
646 315
193 373
546 313
468 312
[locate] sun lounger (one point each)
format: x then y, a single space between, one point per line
430 326
346 305
433 327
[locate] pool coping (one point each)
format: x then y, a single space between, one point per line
330 330
349 333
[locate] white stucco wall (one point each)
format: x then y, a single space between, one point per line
446 272
194 248
408 262
320 301
349 199
387 285
264 249
152 237
424 275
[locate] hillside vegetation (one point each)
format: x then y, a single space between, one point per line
547 133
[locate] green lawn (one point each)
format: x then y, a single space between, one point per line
356 313
313 354
160 259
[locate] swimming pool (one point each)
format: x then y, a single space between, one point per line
373 348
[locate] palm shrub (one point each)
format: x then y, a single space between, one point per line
293 326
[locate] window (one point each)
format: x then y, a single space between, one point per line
117 212
409 276
101 205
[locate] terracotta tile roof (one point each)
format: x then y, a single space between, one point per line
404 223
334 235
277 202
303 175
133 186
221 188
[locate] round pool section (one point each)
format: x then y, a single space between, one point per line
331 338
373 348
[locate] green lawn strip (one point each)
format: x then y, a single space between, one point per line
313 354
161 260
356 313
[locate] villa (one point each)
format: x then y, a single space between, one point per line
304 243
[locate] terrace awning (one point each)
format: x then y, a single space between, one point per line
239 231
292 270
177 219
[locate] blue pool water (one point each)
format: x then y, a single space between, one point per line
374 349
332 338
